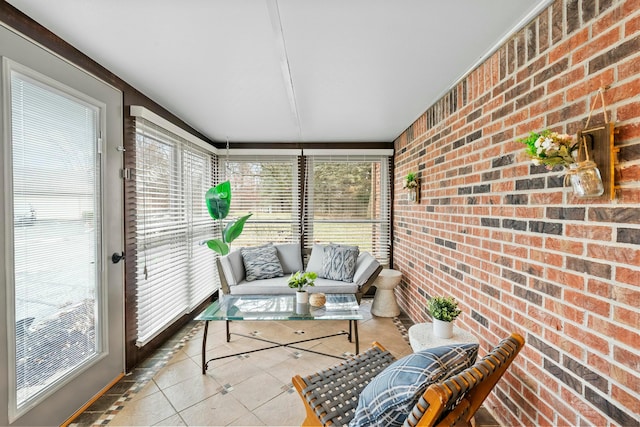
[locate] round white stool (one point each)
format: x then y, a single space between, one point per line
421 337
384 302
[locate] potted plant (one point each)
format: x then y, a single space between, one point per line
443 310
218 201
554 149
411 184
299 280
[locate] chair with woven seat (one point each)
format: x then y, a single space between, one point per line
335 396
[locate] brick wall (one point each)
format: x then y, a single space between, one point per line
504 237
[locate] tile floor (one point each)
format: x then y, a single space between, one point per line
252 390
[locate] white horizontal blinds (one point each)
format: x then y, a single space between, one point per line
348 201
266 186
173 272
198 176
56 234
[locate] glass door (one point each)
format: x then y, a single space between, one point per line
64 295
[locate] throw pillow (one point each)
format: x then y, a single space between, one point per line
366 265
339 262
290 257
261 263
390 396
315 259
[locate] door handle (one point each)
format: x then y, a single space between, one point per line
116 257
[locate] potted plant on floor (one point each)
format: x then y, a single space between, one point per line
443 310
299 280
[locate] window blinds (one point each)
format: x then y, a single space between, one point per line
57 281
173 272
268 187
347 200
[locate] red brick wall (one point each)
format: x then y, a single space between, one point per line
518 250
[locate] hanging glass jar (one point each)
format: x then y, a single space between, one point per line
413 194
585 179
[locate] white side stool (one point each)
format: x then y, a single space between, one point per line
384 302
421 337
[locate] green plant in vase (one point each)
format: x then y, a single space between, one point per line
444 311
218 201
298 281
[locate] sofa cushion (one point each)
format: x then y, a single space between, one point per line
278 285
339 262
261 262
315 259
365 267
390 396
290 257
233 267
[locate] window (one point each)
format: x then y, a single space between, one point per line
57 282
266 186
174 272
347 200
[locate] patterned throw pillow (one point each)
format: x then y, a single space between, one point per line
261 262
390 396
339 262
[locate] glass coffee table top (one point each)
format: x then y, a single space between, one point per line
281 307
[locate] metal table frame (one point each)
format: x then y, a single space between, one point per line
216 312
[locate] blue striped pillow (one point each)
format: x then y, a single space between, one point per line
390 396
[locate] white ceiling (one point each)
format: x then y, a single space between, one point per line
288 70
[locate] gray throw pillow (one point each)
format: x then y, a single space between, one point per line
339 262
261 263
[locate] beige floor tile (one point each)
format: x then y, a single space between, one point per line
174 420
174 373
247 420
234 370
268 358
251 395
146 411
218 410
148 389
178 356
286 409
191 391
304 364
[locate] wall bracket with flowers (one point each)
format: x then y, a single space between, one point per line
412 185
580 156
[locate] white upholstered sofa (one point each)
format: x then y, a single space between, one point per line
240 276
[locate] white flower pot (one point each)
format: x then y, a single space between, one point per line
442 329
302 297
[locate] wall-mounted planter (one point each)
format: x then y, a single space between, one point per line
413 195
599 142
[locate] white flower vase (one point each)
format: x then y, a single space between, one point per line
302 297
442 329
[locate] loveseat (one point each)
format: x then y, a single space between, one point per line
266 269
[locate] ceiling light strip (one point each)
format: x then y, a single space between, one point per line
281 48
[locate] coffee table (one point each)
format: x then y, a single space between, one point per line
280 308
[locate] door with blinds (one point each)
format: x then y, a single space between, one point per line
62 199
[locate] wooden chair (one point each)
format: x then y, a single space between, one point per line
331 396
